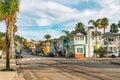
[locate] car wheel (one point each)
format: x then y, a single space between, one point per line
113 56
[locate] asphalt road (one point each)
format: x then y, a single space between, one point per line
45 68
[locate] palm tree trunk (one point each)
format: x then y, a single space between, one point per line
8 41
7 47
96 35
67 53
104 30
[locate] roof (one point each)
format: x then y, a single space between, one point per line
79 34
96 33
83 33
111 34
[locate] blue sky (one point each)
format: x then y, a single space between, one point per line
39 17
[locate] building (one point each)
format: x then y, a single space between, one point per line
112 41
51 46
82 44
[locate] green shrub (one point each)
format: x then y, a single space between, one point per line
11 69
101 51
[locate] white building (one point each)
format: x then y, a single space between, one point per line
112 41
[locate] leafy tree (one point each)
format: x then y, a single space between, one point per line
104 23
26 43
47 36
101 51
8 13
15 29
114 28
2 41
96 24
119 24
79 27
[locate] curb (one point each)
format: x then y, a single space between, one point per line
117 63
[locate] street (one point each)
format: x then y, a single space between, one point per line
45 68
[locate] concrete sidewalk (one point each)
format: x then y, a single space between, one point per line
8 75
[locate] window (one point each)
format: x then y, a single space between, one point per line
82 38
110 39
114 48
111 49
76 38
79 50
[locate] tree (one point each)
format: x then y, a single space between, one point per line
79 27
67 33
119 24
26 43
96 24
2 41
101 51
8 13
15 29
104 23
114 28
47 36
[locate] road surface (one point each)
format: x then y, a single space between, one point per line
45 68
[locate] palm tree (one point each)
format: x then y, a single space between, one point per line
96 24
47 36
8 13
104 23
67 33
113 28
79 27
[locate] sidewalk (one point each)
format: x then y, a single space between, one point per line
8 75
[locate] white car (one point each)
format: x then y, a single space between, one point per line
40 54
111 54
0 54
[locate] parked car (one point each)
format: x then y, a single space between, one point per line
111 54
34 53
0 55
19 55
40 54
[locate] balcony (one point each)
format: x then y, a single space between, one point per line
111 43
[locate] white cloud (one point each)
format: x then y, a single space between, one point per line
39 34
62 13
2 27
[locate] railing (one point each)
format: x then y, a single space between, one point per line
111 43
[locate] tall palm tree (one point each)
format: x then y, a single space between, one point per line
96 25
47 36
113 28
8 12
79 27
104 23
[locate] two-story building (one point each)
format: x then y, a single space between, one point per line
83 44
112 41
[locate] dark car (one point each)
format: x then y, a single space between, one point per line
19 54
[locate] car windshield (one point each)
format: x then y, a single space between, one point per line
110 52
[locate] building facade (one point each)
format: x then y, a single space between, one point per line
112 42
